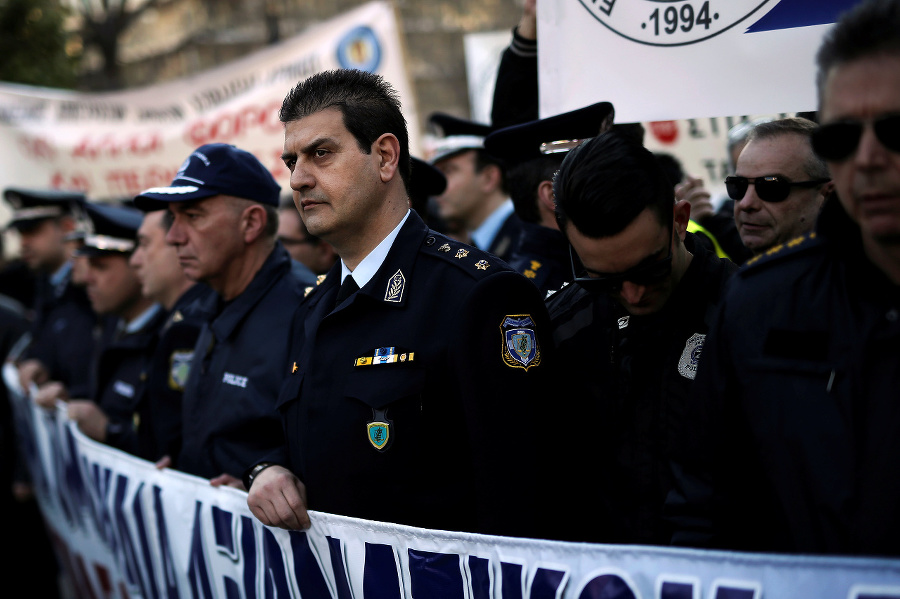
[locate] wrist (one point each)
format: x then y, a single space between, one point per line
252 473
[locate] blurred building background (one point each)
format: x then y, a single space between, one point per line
118 44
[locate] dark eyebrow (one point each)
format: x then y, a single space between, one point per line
309 148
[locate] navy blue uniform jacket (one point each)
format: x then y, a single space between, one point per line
63 335
454 411
793 436
229 416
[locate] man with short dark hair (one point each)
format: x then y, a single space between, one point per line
223 208
411 339
779 184
794 434
533 152
629 332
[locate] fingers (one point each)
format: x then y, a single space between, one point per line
164 462
278 498
227 480
50 393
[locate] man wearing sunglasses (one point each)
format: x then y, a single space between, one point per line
629 332
794 428
779 184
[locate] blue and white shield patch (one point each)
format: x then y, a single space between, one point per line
690 357
520 344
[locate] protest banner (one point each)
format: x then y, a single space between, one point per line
124 529
114 145
679 59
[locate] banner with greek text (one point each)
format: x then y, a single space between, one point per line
124 529
661 60
114 145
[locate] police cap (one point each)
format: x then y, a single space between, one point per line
215 169
552 135
456 136
112 230
31 206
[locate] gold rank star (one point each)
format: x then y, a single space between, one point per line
320 278
529 274
482 265
462 253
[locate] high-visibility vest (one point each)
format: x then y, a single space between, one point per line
694 227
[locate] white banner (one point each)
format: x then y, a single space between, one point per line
114 145
676 59
126 529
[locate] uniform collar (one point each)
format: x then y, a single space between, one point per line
276 266
369 266
485 234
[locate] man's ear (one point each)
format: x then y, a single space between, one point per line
387 149
491 176
253 222
682 214
545 195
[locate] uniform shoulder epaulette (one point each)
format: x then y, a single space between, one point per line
781 252
308 290
477 263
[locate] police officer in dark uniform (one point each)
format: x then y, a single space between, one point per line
129 340
158 408
533 153
418 361
62 331
794 435
476 197
629 332
224 210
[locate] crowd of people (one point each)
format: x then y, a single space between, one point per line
539 331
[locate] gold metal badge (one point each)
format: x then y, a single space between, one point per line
444 248
482 265
462 253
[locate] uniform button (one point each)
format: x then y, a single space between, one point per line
429 240
892 315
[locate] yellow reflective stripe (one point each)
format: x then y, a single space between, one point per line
693 227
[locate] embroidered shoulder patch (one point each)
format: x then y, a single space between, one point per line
180 368
690 357
519 342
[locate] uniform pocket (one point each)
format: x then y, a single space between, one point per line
379 386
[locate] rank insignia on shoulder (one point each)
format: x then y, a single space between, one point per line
461 253
385 355
444 248
379 430
520 344
529 274
690 357
320 279
177 316
394 291
482 265
307 291
535 265
294 368
180 368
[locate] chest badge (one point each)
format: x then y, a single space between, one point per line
690 357
520 343
380 430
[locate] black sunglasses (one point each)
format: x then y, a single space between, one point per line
645 274
771 188
838 140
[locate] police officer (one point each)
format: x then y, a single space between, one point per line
533 153
223 204
62 331
476 197
418 361
795 432
629 332
158 409
132 323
